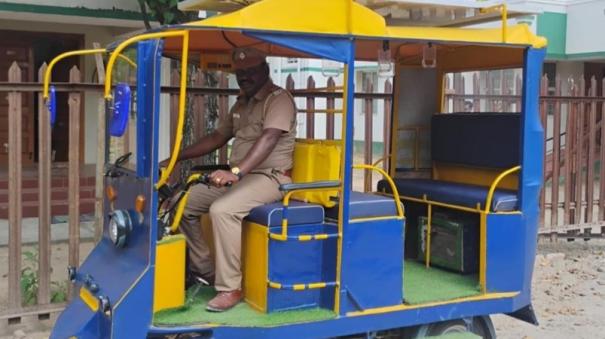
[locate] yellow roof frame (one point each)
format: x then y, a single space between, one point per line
349 18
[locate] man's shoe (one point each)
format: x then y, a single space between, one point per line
224 300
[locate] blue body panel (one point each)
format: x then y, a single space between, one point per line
374 275
505 252
125 275
294 262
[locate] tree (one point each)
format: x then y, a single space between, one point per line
166 12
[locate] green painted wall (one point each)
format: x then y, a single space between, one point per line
553 26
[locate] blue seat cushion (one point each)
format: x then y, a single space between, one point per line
298 213
453 193
366 205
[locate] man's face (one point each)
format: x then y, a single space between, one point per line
250 80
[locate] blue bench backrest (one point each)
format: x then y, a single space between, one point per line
490 140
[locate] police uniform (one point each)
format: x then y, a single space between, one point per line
270 107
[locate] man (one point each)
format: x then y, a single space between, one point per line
263 122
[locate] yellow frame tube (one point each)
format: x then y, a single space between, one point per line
492 188
60 57
182 92
51 65
391 183
283 236
503 9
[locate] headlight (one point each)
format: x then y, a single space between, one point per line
120 226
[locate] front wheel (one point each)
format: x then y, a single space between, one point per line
481 326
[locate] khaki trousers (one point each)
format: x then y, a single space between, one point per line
227 208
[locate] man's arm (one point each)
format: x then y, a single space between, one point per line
256 155
205 145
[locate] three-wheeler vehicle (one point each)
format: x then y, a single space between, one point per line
430 252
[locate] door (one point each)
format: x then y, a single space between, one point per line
11 51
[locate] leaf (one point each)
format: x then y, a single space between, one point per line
168 17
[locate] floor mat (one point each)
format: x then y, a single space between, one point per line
423 285
194 312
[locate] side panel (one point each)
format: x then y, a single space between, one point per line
532 159
374 262
506 255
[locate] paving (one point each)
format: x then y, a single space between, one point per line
59 229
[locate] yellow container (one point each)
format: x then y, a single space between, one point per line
255 246
316 160
169 287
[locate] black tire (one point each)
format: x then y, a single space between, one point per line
481 326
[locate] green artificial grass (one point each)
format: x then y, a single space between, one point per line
194 312
423 285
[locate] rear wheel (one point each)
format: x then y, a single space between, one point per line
480 326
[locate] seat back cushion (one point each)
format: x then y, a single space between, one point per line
490 140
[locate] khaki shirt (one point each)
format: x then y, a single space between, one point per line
270 107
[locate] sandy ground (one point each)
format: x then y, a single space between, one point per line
569 293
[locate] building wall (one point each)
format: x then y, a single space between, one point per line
91 34
128 5
585 25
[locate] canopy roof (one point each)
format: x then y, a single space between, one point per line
333 19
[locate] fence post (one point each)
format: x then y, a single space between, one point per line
44 196
569 141
223 109
368 87
14 186
199 102
592 115
579 151
556 162
477 92
388 88
602 156
310 110
543 117
74 171
330 106
175 77
100 149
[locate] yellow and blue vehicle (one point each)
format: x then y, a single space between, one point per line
328 261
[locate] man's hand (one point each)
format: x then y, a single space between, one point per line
164 163
221 178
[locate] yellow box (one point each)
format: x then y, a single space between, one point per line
254 265
169 287
316 160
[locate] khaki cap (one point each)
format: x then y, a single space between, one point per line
247 57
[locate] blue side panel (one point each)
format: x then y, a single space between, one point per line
319 46
532 158
148 54
374 265
506 256
133 316
78 318
294 262
347 173
360 324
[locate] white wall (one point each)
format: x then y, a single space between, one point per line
585 27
